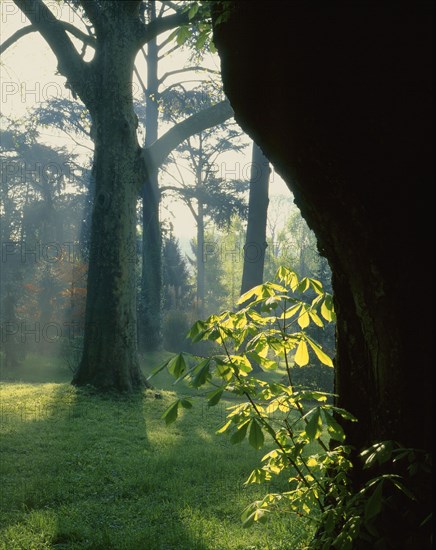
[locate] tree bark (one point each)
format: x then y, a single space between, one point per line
200 262
150 311
351 135
104 85
255 243
110 350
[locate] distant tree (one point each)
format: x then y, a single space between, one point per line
208 197
177 295
210 260
116 33
74 119
154 89
10 342
41 222
175 280
255 242
230 251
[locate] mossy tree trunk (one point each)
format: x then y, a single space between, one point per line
110 351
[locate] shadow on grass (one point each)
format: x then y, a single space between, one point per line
37 369
213 486
76 475
85 470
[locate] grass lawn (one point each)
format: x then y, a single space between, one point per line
87 471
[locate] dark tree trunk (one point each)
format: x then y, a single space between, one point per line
201 293
346 120
255 242
110 350
151 281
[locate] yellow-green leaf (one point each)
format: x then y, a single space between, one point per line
327 309
322 356
240 433
301 355
259 475
193 10
290 312
215 396
327 314
224 428
316 319
303 320
316 285
255 291
304 285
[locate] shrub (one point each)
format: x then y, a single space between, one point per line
309 456
71 352
175 327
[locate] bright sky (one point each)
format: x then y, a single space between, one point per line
28 78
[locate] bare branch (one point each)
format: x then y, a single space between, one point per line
176 164
78 143
15 37
192 154
163 7
170 51
186 70
157 152
186 200
86 38
145 33
52 30
141 82
168 173
172 5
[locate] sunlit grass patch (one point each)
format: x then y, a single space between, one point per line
91 471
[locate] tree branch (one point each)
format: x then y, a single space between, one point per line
93 13
185 70
186 200
70 64
147 32
168 52
141 82
156 153
15 37
86 38
172 5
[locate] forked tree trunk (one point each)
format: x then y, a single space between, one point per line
104 85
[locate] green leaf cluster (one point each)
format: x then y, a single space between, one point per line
301 430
